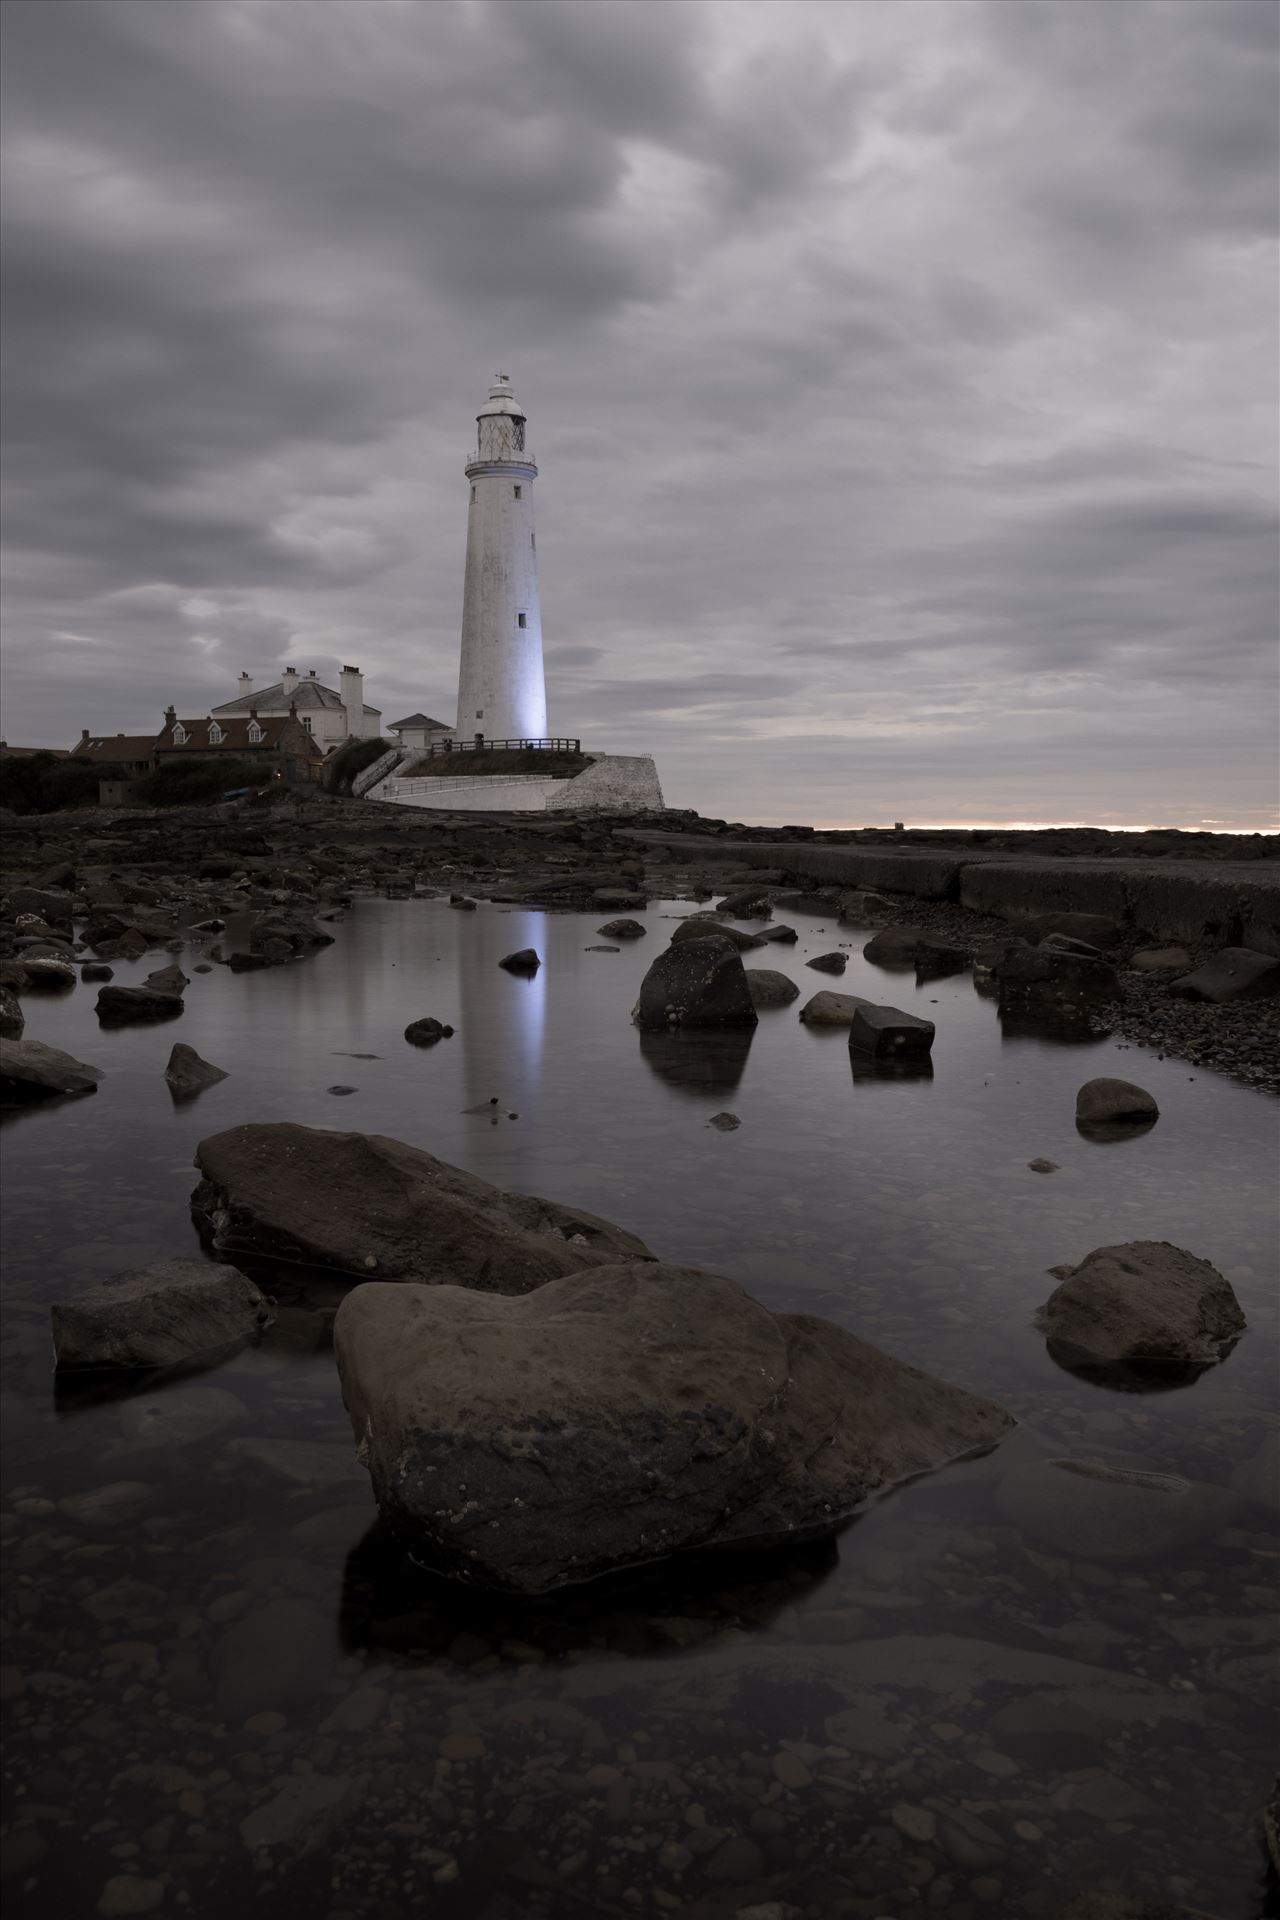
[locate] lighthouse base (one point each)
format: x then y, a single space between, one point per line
612 783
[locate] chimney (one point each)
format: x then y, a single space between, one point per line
351 687
82 742
245 687
170 716
289 682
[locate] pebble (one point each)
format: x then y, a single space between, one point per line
915 1823
126 1893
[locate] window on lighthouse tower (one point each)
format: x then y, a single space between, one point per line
521 620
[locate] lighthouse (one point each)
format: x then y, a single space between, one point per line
502 692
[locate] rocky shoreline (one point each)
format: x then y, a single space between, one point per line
268 874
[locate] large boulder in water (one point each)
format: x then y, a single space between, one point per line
1143 1303
1045 973
12 1018
29 1070
121 1006
377 1208
622 1414
699 926
696 983
770 989
187 1074
159 1316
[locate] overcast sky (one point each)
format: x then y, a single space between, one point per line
901 377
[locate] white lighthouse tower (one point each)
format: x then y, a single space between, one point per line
502 692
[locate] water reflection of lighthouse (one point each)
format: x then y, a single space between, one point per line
502 1014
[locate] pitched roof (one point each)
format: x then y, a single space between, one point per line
235 736
421 720
306 693
29 753
115 746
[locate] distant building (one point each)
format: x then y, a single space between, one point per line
134 752
331 715
278 742
29 753
419 730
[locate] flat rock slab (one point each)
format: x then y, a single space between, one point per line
118 1006
827 1009
376 1208
912 947
158 1316
697 982
889 1034
29 1070
622 1414
1142 1302
1237 973
770 989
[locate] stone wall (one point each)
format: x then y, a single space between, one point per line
613 783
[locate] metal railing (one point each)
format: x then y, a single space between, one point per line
482 744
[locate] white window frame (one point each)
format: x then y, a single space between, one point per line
179 736
216 735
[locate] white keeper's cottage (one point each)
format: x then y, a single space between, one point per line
331 715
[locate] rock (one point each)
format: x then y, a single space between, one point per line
827 1009
99 970
1099 930
1237 973
777 936
461 901
724 1122
1161 960
48 970
622 930
187 1074
425 1032
861 905
339 1091
303 1814
158 1316
118 1503
698 926
889 1034
526 961
12 1018
990 954
1099 1102
1063 943
1043 973
911 947
750 903
29 1070
622 1414
52 905
118 1006
829 963
1092 1510
617 899
167 980
241 962
1143 1301
696 983
735 1862
770 989
371 1206
129 1893
1043 1166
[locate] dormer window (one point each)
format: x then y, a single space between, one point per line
255 732
215 734
179 735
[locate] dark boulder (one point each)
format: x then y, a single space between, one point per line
12 1018
698 926
187 1074
97 970
167 980
696 983
770 989
29 1070
828 1009
1144 1302
749 904
912 947
121 1006
1237 973
1105 1102
1043 974
55 907
425 1032
624 1414
886 1033
622 930
159 1316
1099 930
526 961
374 1207
829 963
781 936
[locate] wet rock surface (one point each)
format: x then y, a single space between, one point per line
30 1070
187 1074
159 1316
1102 1101
520 1444
698 982
372 1207
1144 1303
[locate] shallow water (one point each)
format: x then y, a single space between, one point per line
984 1697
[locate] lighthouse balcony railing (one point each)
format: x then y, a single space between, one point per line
524 458
483 744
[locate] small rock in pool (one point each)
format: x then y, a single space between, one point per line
342 1089
725 1122
622 930
1043 1166
425 1032
526 961
829 962
461 900
1104 1101
602 949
